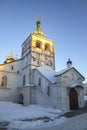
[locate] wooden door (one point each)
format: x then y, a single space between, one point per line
73 98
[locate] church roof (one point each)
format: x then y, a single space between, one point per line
66 70
48 73
62 71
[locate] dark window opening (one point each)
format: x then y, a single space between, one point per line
21 98
38 44
12 68
17 72
48 90
47 47
23 79
34 59
39 81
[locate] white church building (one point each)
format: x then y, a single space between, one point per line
32 79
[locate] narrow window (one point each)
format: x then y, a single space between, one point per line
11 67
23 79
4 81
39 81
48 90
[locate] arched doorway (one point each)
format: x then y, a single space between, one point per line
73 98
21 98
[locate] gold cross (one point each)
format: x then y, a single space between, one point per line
10 53
39 18
16 56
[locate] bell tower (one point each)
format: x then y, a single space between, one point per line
42 49
37 51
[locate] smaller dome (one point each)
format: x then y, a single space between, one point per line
38 30
8 60
69 61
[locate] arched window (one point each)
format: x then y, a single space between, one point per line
47 47
38 44
4 82
24 79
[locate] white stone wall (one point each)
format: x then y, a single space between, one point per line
26 73
56 96
85 88
54 99
81 97
8 95
13 81
68 80
13 76
71 77
71 82
25 91
7 67
42 99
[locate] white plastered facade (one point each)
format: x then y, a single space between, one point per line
33 80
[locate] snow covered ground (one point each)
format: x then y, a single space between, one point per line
74 123
17 116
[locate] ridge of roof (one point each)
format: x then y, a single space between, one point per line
66 70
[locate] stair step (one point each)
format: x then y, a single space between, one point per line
76 112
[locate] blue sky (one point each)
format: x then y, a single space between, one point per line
63 21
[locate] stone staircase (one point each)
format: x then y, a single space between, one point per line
76 112
46 97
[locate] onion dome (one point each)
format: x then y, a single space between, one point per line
69 63
8 60
38 30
